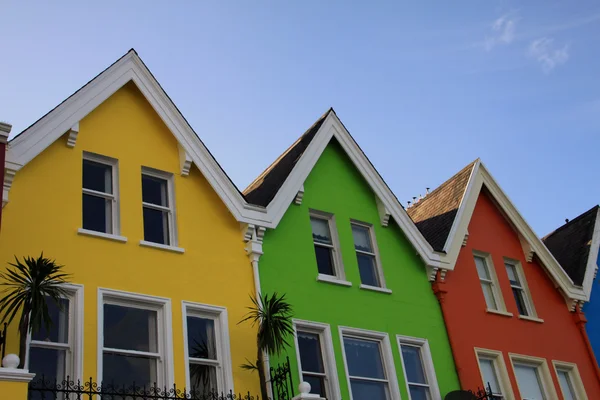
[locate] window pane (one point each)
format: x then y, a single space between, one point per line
488 293
520 300
156 226
155 190
512 275
529 382
364 358
97 214
419 393
413 365
130 328
566 386
97 176
47 363
362 238
203 379
368 390
59 315
489 375
320 230
367 269
324 260
120 370
311 358
317 384
482 269
201 338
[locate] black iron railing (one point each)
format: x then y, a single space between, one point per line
485 394
43 389
281 381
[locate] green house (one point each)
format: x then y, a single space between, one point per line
356 271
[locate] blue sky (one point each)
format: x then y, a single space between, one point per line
424 87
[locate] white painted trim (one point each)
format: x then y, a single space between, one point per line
503 313
220 316
528 298
159 246
338 263
500 368
165 325
373 239
544 372
72 135
15 375
332 279
185 161
574 376
113 163
533 319
427 360
87 232
592 261
375 289
324 332
386 352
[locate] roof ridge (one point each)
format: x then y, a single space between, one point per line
574 220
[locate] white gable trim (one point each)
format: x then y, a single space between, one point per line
592 266
332 127
530 241
130 67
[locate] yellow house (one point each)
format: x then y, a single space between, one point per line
115 185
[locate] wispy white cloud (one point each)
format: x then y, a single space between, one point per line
545 52
503 31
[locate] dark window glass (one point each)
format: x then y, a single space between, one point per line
97 214
364 358
156 226
122 371
419 392
317 384
130 328
324 260
520 300
368 390
97 176
310 352
155 191
201 338
203 379
367 269
59 330
413 364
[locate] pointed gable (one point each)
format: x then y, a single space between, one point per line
435 214
572 244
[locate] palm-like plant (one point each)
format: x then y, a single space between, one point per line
28 286
273 315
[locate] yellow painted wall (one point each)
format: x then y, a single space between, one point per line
44 214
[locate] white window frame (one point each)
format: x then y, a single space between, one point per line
113 163
338 265
170 210
574 378
500 369
426 360
223 363
375 254
162 306
74 358
524 288
329 364
541 364
386 356
493 282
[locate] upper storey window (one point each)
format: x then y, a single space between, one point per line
158 206
519 289
100 194
489 283
326 244
366 255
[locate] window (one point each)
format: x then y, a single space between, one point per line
100 194
519 288
133 332
366 255
159 210
487 278
569 381
55 353
369 365
418 368
326 245
207 349
316 361
533 378
494 374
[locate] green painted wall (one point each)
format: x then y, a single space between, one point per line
289 266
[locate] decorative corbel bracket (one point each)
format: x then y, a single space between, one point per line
185 161
299 196
384 213
528 249
253 237
10 171
72 135
464 243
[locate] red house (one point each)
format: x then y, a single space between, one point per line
4 132
512 313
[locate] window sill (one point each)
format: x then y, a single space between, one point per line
333 280
162 247
102 235
503 313
376 289
533 319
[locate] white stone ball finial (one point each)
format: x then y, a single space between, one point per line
304 388
11 361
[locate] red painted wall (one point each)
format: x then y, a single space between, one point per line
469 325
